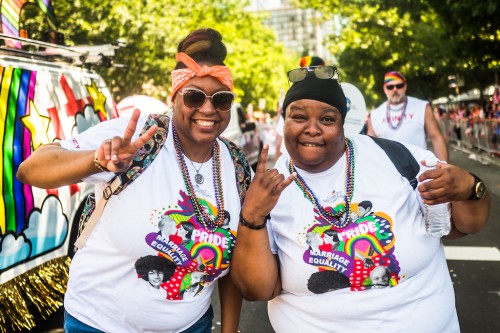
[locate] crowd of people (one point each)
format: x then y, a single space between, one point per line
332 235
475 124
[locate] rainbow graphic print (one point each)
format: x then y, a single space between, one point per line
200 256
359 256
11 12
39 107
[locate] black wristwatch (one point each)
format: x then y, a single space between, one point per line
478 189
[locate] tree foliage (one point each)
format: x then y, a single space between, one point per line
427 40
152 30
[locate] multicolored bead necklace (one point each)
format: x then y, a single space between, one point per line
388 115
201 213
335 218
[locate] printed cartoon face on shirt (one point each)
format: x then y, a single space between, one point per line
198 256
359 256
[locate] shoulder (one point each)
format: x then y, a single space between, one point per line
417 101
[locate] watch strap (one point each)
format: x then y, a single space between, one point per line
475 193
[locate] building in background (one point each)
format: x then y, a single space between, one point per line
299 30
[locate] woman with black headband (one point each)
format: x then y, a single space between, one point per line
176 209
385 273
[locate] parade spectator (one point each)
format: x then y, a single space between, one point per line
345 190
406 119
105 293
305 61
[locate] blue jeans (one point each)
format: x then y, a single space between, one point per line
203 325
73 325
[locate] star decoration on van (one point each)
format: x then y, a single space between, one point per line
98 98
38 125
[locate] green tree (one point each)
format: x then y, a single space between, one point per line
152 30
425 39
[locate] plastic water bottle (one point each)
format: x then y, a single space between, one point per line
437 217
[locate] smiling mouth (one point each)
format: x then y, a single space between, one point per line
205 123
311 144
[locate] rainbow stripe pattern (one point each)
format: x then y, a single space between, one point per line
393 76
16 90
10 17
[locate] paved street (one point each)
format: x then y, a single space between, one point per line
475 269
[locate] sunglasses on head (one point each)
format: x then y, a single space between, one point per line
321 72
194 99
397 86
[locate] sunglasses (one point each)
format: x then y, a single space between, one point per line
321 72
195 99
397 86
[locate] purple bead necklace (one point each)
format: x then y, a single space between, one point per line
200 211
335 217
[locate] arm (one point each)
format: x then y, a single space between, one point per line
434 132
452 184
52 166
230 303
254 267
369 125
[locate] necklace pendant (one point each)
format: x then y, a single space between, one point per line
199 179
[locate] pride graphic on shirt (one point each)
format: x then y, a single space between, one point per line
359 256
199 255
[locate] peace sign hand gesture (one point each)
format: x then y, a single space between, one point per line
264 191
116 154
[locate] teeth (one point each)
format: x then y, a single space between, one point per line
310 145
205 123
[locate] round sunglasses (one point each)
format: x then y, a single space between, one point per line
392 86
321 72
195 99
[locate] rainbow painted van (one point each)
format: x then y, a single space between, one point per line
41 101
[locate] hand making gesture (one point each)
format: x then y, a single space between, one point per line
264 191
116 154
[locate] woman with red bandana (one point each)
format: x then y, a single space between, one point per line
185 183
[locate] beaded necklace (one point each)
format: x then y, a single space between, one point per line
335 217
388 116
203 217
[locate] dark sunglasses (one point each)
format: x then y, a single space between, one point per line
398 86
195 99
321 72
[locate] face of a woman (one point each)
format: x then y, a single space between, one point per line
182 232
155 278
314 134
168 227
198 128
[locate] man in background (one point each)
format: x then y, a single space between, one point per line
406 119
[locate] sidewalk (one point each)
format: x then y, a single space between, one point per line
476 154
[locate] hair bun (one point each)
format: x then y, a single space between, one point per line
204 46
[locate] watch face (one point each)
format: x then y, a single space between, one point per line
480 190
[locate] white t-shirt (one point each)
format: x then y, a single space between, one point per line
411 120
105 290
380 273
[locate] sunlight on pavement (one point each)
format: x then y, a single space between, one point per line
476 253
